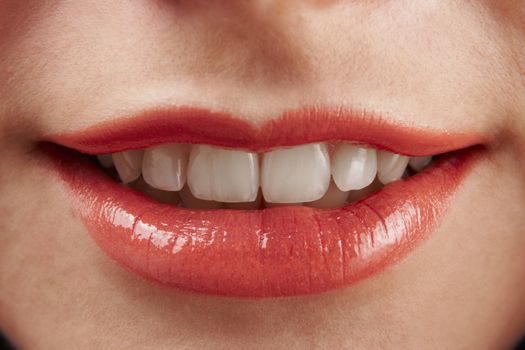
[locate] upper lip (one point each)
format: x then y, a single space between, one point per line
305 125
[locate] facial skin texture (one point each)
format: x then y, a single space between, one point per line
454 65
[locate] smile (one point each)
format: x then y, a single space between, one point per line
314 200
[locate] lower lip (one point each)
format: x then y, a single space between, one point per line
281 251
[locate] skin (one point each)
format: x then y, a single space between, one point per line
452 65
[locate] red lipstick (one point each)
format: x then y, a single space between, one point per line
302 126
281 251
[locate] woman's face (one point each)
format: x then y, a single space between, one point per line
446 67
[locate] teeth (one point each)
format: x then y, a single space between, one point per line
106 160
390 166
208 177
419 163
256 204
354 168
365 192
298 174
159 195
128 165
223 175
333 198
164 167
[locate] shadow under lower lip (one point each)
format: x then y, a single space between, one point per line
262 253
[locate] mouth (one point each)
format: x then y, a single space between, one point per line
312 201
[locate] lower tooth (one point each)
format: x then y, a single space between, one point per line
188 200
419 163
128 165
390 166
333 198
365 192
106 160
167 197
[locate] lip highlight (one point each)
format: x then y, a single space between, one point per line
283 251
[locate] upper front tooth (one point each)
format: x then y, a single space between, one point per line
128 164
164 167
354 168
223 175
333 198
419 163
188 200
297 174
390 166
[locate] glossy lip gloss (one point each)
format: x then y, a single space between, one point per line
281 251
